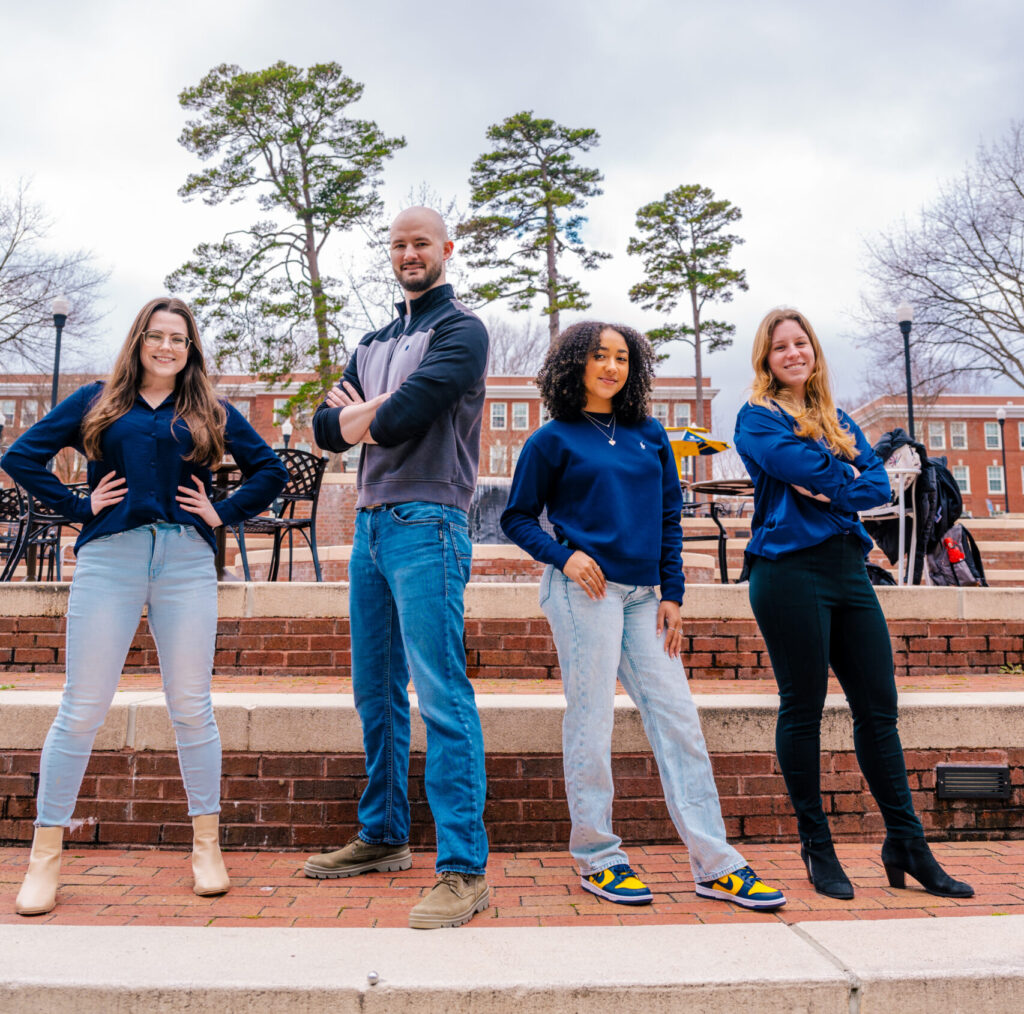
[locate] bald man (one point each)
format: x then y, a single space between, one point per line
413 396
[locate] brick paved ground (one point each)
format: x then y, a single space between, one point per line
116 887
283 683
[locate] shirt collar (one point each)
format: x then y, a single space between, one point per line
429 299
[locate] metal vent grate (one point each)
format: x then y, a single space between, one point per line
972 781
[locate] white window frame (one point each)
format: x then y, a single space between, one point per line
995 472
659 410
516 451
681 414
964 481
30 413
499 415
958 436
498 459
1020 435
520 408
992 436
936 436
242 406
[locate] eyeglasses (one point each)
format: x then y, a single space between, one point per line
179 342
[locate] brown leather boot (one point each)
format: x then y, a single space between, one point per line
207 865
38 893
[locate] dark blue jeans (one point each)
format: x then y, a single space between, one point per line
816 607
408 572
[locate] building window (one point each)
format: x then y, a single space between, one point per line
992 436
1020 435
242 407
497 459
350 458
520 415
660 412
544 414
9 406
936 436
516 451
958 436
995 479
681 414
29 413
499 412
962 474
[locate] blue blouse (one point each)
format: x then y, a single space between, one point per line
144 447
776 458
619 504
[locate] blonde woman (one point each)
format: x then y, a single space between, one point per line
813 470
150 433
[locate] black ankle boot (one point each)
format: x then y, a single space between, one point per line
825 872
912 855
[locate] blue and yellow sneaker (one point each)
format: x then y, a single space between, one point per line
743 887
619 884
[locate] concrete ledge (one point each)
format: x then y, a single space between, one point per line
519 600
512 723
913 966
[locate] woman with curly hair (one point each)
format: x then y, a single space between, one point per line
809 590
604 470
150 433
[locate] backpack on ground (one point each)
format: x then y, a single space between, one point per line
955 560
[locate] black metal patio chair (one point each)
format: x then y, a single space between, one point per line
714 511
305 474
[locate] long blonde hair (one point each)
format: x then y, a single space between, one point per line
194 398
817 417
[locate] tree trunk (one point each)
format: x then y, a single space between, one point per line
698 376
323 348
553 326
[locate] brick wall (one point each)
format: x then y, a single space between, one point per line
308 801
516 648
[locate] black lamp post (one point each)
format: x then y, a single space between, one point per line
286 431
60 317
905 317
1001 417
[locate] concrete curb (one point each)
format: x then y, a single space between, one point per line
915 966
512 723
495 600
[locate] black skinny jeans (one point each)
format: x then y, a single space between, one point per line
816 606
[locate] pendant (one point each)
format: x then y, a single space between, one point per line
612 442
643 446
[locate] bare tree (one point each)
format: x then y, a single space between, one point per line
517 347
31 276
961 266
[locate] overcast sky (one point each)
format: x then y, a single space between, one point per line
823 121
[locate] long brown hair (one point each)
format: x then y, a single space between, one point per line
817 417
194 398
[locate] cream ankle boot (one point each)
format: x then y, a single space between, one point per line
38 893
207 865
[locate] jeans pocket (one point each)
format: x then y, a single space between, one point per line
417 513
545 584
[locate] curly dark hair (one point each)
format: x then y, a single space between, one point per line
561 377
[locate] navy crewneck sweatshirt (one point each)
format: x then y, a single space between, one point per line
619 504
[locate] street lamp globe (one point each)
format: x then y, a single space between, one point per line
905 318
904 313
287 428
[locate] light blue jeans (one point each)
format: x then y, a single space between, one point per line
597 642
170 569
408 572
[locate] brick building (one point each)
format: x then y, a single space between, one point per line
963 428
512 412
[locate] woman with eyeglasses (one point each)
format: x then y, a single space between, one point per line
151 433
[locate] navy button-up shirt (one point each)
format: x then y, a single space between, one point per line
143 447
